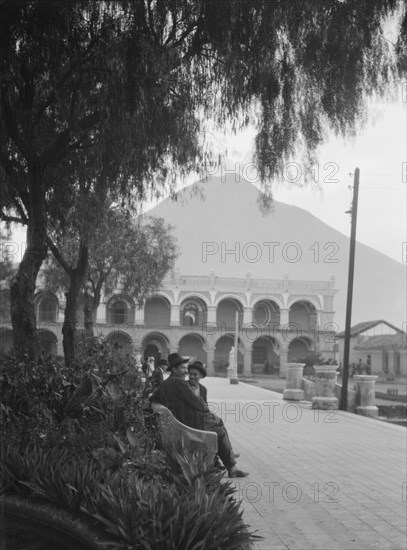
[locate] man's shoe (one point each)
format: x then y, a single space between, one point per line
235 472
218 465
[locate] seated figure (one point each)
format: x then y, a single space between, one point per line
177 395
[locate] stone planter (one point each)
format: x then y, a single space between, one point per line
293 391
366 395
325 381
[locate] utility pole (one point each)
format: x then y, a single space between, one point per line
354 215
235 379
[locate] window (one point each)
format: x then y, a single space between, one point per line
47 310
119 313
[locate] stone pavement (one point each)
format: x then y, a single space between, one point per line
318 479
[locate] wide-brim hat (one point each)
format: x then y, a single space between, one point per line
175 359
198 366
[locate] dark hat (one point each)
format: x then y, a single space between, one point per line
198 366
163 363
175 359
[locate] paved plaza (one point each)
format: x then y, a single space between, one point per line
318 479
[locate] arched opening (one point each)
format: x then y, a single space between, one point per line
226 313
157 312
299 349
265 356
266 313
156 345
222 350
120 311
193 312
191 345
303 315
47 309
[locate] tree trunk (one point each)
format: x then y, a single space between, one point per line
91 306
22 287
77 278
88 315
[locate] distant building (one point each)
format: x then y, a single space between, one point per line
384 343
279 321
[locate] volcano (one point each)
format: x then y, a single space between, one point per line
220 225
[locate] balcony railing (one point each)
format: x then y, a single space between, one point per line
221 283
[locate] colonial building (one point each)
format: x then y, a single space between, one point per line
279 320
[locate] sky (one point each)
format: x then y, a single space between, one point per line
380 152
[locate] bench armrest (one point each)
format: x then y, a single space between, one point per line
175 434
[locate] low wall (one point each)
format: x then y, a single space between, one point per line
310 391
309 388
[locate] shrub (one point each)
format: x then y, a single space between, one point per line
82 439
79 408
186 508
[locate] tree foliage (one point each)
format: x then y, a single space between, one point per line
122 88
132 255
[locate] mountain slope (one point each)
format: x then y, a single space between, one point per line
287 240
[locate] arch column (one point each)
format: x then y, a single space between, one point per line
210 357
211 314
174 320
284 317
139 315
247 315
61 315
60 347
247 362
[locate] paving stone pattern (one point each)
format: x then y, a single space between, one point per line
323 480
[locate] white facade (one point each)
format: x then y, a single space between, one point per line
279 320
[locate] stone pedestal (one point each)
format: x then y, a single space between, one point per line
325 381
283 363
366 395
232 375
293 391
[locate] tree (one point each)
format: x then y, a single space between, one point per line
133 255
130 82
70 242
80 78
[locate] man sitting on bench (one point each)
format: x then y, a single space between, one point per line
176 394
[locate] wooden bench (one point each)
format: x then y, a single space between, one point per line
175 434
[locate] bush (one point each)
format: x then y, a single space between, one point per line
82 439
79 408
181 505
